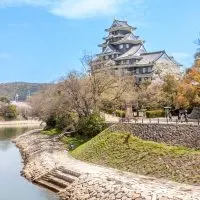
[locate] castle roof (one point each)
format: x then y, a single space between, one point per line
110 50
113 36
120 25
151 57
129 38
130 53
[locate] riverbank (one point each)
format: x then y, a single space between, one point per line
22 123
46 162
12 185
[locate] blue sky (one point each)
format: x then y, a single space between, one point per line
42 40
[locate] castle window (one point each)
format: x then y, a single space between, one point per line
144 70
149 69
128 62
137 71
106 57
121 46
127 46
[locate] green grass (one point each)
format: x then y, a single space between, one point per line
126 152
72 142
51 132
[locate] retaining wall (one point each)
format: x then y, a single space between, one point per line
178 135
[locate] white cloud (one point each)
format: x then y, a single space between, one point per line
86 8
77 8
4 56
181 55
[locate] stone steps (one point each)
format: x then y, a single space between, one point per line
48 185
57 179
67 171
68 178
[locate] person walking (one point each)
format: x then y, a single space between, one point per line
179 116
186 116
170 116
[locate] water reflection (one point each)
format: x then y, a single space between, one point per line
12 185
7 133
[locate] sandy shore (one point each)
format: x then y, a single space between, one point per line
23 123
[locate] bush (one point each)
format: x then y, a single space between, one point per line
90 126
9 112
120 113
107 106
65 122
60 122
4 100
155 113
50 122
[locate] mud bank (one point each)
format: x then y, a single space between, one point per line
47 163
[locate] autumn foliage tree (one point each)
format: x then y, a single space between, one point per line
189 89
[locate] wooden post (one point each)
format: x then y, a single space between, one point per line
158 121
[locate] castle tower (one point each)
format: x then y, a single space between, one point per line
124 53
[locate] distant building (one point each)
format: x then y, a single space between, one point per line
124 53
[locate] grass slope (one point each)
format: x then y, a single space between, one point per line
126 152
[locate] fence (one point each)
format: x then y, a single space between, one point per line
159 121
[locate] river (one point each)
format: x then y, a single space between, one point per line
12 185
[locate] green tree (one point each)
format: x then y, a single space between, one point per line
9 112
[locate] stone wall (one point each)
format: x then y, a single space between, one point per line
91 187
178 135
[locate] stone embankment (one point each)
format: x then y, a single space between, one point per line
47 163
172 134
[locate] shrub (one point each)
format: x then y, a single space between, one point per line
60 122
107 106
155 113
50 122
4 100
65 122
91 125
9 112
120 113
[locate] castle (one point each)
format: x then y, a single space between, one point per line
124 53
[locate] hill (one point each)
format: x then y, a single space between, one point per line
128 153
23 89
